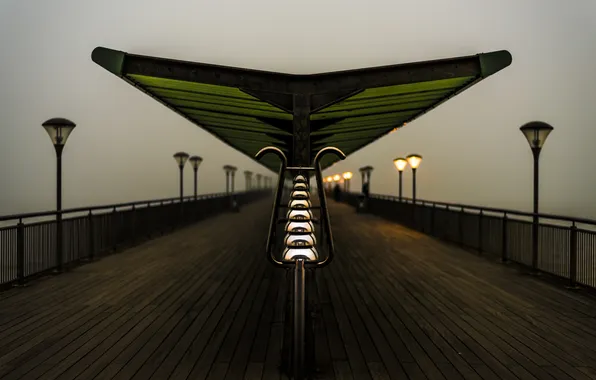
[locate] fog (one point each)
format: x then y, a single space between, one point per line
473 151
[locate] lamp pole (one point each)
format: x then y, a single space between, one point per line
536 133
227 170
400 164
414 160
259 176
58 129
195 162
181 158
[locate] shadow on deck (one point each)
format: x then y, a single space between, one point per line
205 303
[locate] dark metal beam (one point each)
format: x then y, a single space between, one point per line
481 65
321 101
281 101
301 130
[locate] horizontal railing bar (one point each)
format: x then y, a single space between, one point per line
112 206
485 209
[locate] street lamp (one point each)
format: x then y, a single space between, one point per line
181 158
536 133
58 129
414 160
400 164
347 176
336 178
195 161
247 179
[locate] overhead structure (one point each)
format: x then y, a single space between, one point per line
300 114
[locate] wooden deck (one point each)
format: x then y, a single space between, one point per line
203 303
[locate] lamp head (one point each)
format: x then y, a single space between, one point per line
58 129
414 160
400 163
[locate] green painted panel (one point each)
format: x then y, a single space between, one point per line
246 135
360 127
354 120
190 86
413 88
387 100
239 109
188 96
357 111
240 126
187 108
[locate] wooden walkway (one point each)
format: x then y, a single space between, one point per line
203 303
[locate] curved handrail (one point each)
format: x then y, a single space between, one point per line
324 212
277 200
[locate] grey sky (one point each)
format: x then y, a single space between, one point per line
123 145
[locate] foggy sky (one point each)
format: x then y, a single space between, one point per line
122 147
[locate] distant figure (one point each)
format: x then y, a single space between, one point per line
365 189
336 192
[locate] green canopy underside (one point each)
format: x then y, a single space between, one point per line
248 123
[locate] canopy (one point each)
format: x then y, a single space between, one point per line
300 114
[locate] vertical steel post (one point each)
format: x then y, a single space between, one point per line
573 255
299 318
536 154
59 245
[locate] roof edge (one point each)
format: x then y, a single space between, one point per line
111 60
493 62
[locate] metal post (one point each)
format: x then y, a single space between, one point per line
504 240
536 154
573 256
59 207
196 170
181 182
414 185
91 241
227 182
21 252
299 319
480 232
400 185
233 174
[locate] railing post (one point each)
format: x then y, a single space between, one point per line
432 220
114 231
90 236
460 222
573 255
480 214
504 239
133 232
21 252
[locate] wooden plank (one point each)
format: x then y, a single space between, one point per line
471 315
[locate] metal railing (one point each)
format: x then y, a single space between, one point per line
566 245
28 246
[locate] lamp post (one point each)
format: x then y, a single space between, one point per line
330 182
347 176
414 160
59 129
195 161
247 178
259 176
536 133
400 164
365 171
181 158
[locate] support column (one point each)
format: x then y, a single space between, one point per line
301 130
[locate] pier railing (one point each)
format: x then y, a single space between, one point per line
28 244
566 245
